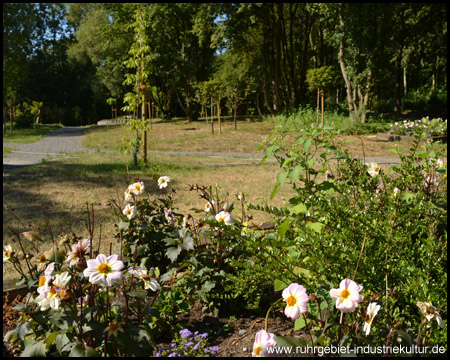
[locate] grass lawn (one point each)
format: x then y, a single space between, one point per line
26 136
7 149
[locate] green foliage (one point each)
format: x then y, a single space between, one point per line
320 78
346 221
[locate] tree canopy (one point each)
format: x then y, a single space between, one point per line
72 57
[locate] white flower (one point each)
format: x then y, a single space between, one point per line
7 253
208 205
372 310
104 269
137 188
374 169
347 296
129 211
78 251
430 312
128 196
396 191
440 163
264 344
50 296
113 328
163 181
224 217
149 283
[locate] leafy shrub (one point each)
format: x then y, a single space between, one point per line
362 221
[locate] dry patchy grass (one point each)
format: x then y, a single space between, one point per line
65 187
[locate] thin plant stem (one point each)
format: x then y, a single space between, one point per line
268 312
360 255
340 327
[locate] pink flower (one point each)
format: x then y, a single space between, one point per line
296 299
347 296
263 342
224 217
104 269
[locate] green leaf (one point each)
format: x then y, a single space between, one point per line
274 191
407 196
317 227
307 144
123 225
394 150
279 285
299 323
51 339
140 294
284 227
61 341
271 150
327 186
295 172
81 350
309 163
299 209
173 252
281 177
35 350
23 329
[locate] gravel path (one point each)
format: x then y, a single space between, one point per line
69 140
59 142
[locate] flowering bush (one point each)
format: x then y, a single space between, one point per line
380 224
435 127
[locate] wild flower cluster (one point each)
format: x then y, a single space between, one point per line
188 344
438 127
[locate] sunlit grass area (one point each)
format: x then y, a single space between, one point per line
26 136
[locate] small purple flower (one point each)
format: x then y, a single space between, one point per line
172 355
185 333
197 345
190 343
201 336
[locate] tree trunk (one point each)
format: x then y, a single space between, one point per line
266 96
348 85
398 81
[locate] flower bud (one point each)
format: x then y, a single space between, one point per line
81 265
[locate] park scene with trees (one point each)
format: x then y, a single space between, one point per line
224 179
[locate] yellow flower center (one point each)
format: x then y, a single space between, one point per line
377 169
221 219
291 300
137 187
51 292
42 280
64 294
368 318
257 350
145 276
128 211
114 326
104 268
345 294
